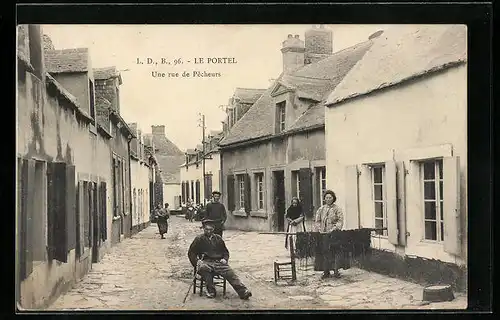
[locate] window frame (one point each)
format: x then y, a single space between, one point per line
373 184
321 178
296 183
259 190
240 183
438 200
281 116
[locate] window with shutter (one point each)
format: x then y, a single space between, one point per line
306 192
79 218
40 213
451 205
391 202
351 216
247 193
241 191
432 184
379 197
230 193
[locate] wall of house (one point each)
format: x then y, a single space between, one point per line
424 118
171 195
302 150
78 85
212 166
194 173
48 133
119 146
140 181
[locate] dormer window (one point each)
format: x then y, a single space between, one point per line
280 116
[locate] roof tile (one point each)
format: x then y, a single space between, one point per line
67 60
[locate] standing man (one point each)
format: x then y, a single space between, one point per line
209 254
216 211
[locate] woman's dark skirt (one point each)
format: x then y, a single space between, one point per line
162 226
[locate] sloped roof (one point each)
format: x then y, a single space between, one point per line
402 53
313 82
169 167
67 60
248 95
165 146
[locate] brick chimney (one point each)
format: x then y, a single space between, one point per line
158 130
318 43
293 53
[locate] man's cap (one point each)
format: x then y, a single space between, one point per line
207 221
216 192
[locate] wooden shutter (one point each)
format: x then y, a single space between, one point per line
59 213
248 193
451 205
104 213
351 217
401 188
183 191
70 207
306 192
367 215
230 193
80 218
209 184
198 191
26 225
391 201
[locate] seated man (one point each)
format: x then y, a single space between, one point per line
209 254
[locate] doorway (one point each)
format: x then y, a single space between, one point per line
279 198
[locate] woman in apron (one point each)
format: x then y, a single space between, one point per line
295 217
329 217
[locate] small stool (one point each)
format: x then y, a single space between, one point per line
198 282
288 268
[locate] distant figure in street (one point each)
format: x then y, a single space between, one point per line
216 211
190 210
163 214
295 217
329 217
209 254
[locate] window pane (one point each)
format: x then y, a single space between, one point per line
377 174
440 166
429 190
441 209
430 230
429 172
442 231
440 190
379 209
379 224
430 210
377 192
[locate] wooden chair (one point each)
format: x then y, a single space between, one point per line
286 270
198 282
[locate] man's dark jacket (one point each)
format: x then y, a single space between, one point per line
214 248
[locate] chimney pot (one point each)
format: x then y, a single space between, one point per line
290 36
297 36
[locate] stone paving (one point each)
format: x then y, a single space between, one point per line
148 273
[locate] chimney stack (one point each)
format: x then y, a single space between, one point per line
158 130
293 53
318 43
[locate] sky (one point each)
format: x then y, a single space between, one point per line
176 102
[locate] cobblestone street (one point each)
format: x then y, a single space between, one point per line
147 273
